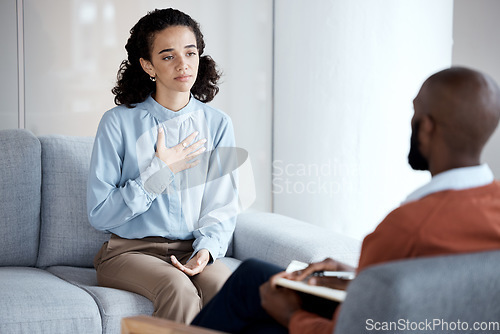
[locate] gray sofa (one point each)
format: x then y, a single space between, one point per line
47 282
48 285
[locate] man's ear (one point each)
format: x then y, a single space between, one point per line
427 124
147 66
426 133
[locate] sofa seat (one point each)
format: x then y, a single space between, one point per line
35 301
113 304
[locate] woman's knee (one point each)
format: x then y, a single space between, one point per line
177 289
176 299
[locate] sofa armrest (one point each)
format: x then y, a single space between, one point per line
422 291
279 239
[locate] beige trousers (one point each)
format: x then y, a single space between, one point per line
143 266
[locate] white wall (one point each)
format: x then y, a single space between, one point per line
476 43
8 65
73 50
345 76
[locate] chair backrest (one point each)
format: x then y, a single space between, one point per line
20 180
441 294
66 236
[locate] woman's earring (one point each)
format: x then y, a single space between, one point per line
152 79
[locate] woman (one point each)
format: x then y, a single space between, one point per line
168 227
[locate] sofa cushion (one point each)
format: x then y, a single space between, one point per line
116 304
231 262
20 179
66 236
35 301
113 304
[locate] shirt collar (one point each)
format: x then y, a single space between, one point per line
454 179
163 114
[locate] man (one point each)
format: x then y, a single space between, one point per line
456 112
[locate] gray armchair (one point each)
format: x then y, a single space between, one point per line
444 294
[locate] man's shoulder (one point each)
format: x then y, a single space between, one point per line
410 213
403 220
490 189
495 185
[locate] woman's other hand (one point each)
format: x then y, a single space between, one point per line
179 156
195 265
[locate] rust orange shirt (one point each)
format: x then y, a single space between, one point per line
445 222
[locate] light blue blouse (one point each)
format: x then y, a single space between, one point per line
133 194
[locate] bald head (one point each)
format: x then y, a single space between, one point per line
462 108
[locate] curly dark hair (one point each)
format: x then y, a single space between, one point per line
133 83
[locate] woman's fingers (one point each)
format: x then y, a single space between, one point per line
195 146
188 140
180 156
176 263
185 145
160 141
191 268
196 153
192 164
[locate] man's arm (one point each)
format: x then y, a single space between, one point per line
303 322
380 246
279 303
285 305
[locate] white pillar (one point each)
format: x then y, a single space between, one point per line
477 45
345 76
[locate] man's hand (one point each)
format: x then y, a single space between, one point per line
195 265
177 157
325 265
280 303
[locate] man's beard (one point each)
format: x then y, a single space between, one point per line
416 160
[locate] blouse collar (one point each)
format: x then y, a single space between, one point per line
163 114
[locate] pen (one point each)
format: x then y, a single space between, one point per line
347 275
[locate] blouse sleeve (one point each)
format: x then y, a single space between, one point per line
112 202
